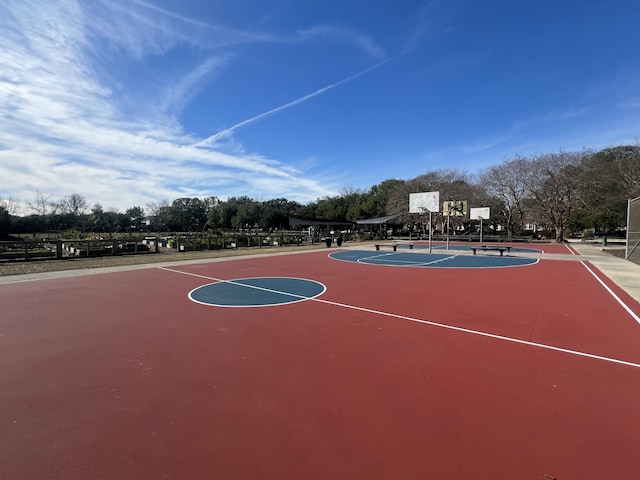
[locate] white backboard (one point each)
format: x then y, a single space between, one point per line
424 202
483 213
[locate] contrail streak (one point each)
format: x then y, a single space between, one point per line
208 141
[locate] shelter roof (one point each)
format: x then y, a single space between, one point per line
376 221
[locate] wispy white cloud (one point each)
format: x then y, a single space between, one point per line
229 36
351 36
180 93
63 128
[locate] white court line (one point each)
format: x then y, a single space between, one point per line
385 262
442 325
616 298
380 255
395 262
240 284
441 260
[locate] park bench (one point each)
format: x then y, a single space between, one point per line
485 248
394 245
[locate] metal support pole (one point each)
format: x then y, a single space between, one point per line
430 230
448 217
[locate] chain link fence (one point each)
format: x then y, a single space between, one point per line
633 231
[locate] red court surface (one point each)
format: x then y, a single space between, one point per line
392 373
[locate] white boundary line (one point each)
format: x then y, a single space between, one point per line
571 249
440 325
236 282
482 334
407 263
394 263
616 298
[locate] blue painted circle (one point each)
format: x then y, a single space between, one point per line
257 292
430 260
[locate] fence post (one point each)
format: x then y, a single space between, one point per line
632 252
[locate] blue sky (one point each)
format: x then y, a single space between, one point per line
138 101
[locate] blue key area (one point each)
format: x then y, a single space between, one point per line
432 260
257 292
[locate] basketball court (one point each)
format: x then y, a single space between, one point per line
337 363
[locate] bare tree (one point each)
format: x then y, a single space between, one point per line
158 213
628 164
73 205
552 182
41 207
452 184
506 182
10 205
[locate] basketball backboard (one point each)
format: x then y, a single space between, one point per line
480 213
424 202
455 208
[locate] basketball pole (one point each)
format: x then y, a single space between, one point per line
425 209
430 230
448 217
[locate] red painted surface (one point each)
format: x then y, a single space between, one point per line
121 376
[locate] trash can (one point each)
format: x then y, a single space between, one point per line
328 241
604 240
339 241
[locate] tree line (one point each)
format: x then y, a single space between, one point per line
558 192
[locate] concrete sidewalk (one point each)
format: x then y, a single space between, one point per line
622 272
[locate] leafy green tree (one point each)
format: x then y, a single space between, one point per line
332 209
97 221
273 219
283 205
187 215
247 215
136 217
307 212
228 210
376 202
110 221
5 222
